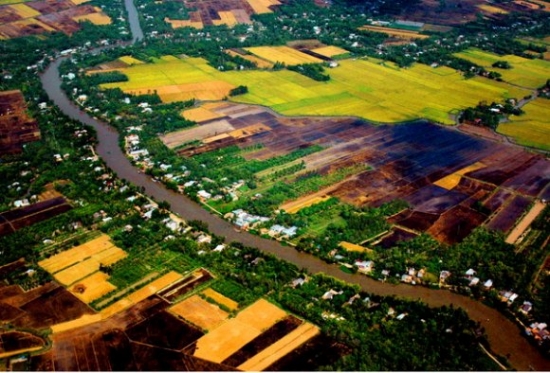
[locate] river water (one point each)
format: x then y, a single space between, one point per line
504 335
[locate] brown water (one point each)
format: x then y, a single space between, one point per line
504 336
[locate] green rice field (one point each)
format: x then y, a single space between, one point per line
531 128
376 91
524 72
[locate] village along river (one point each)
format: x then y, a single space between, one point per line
504 335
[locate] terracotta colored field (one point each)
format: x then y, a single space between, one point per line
174 139
543 4
92 287
222 342
404 34
221 299
25 11
531 128
67 258
282 347
262 6
492 9
329 51
283 54
200 312
293 207
95 18
527 4
525 222
260 62
32 22
142 293
200 114
249 131
348 246
451 181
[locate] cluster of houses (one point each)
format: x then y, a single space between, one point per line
244 220
539 332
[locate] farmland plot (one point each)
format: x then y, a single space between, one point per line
531 128
529 73
223 341
200 312
375 90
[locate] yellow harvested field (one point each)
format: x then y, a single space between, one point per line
178 23
530 73
249 131
293 207
25 11
451 181
287 55
200 312
221 299
226 18
67 258
92 287
228 338
76 323
95 18
110 256
32 22
374 90
531 128
129 60
348 246
142 293
260 62
206 91
262 6
78 2
329 51
525 222
200 114
202 132
76 272
282 347
492 9
4 355
400 33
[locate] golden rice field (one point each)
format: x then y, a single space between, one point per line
262 6
129 60
524 72
399 33
492 9
260 63
287 55
452 180
531 128
178 23
25 11
95 18
329 51
226 18
370 89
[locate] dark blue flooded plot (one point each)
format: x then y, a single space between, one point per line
505 219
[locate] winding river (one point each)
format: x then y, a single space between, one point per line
504 335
